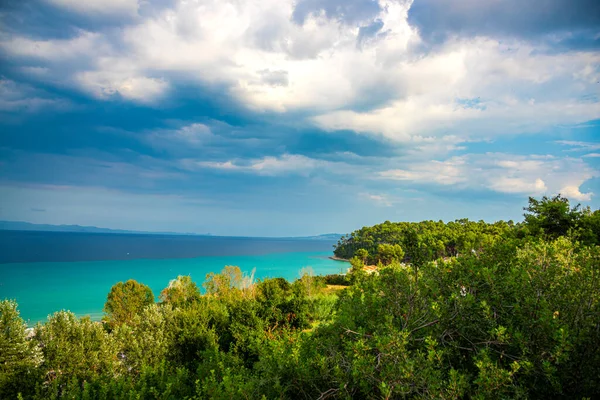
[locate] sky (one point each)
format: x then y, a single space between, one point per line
283 118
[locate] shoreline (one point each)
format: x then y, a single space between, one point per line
338 259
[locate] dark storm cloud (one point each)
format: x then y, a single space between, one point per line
438 19
348 11
43 20
318 144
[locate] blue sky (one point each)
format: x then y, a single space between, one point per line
279 117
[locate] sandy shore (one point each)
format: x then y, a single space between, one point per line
339 259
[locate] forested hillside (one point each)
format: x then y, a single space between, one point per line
547 218
458 310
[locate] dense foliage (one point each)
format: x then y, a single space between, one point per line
125 300
515 315
424 241
419 241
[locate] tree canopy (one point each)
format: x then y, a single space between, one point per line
180 292
125 300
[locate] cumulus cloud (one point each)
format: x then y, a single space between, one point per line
504 173
188 138
86 62
208 140
574 193
267 60
127 85
271 166
463 89
303 56
449 172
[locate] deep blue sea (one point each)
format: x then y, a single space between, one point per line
51 271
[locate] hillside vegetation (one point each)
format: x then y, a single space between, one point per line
457 310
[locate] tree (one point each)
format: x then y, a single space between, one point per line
389 253
151 340
589 227
362 254
222 284
552 217
19 356
125 301
230 281
180 292
76 348
307 278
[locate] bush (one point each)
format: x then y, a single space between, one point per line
337 279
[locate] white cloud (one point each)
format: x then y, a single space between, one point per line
98 68
574 193
449 172
212 137
428 115
504 173
129 85
270 166
579 145
468 88
508 88
234 43
506 184
378 199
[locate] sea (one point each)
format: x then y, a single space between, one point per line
47 272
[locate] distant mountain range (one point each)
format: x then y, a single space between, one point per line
27 226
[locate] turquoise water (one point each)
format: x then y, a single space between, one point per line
42 288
